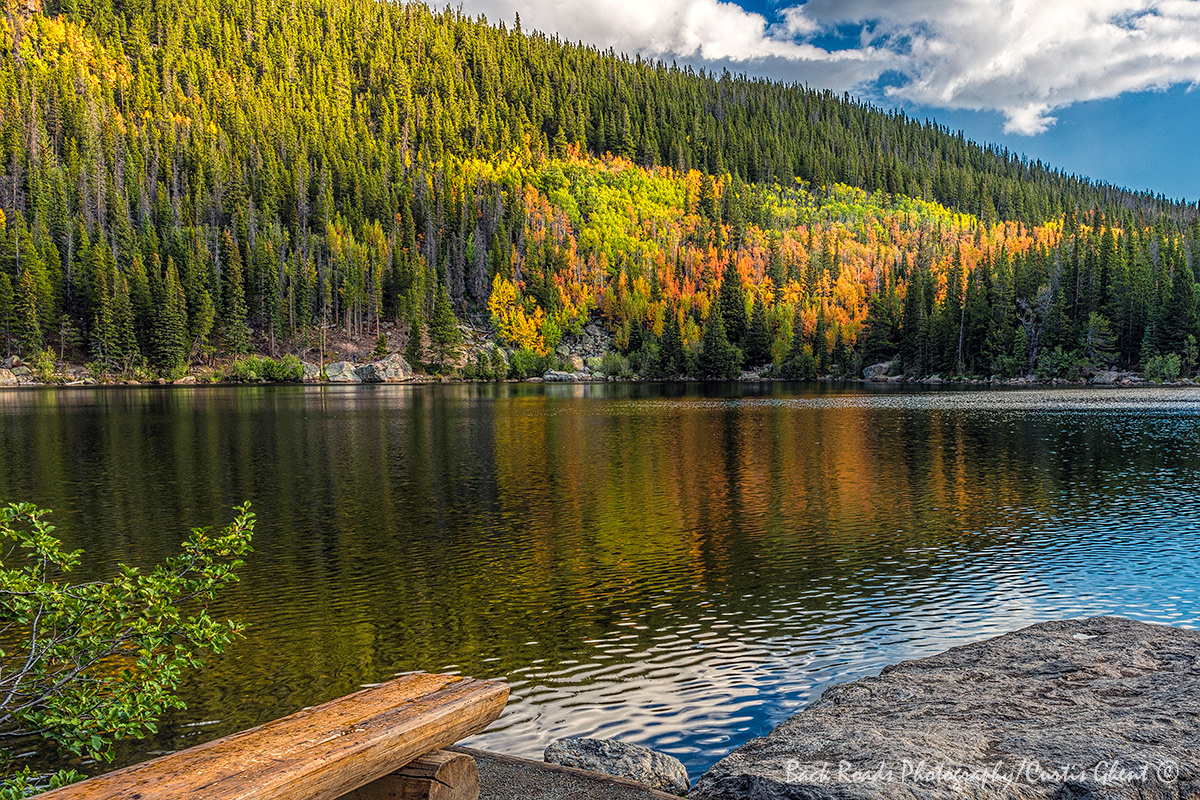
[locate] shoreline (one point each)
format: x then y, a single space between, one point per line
425 380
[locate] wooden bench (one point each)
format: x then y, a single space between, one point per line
355 747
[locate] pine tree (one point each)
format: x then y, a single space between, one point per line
758 340
125 339
719 359
414 351
234 331
6 311
26 330
169 335
732 300
671 362
443 327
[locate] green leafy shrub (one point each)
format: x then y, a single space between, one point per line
87 664
253 369
1162 368
289 369
615 365
801 367
1058 363
42 365
524 363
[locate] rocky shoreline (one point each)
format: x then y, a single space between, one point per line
579 358
1104 708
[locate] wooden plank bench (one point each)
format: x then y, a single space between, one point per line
321 753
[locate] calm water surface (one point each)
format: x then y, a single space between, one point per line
674 566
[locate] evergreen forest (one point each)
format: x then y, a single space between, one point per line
188 180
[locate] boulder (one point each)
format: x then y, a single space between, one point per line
312 372
342 372
575 363
562 351
557 376
1101 708
1104 377
592 330
879 370
387 370
7 378
610 757
185 380
12 362
19 371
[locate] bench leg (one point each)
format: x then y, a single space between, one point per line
439 775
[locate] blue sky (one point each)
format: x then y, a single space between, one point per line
1101 88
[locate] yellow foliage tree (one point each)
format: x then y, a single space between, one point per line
517 325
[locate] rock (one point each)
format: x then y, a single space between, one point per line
7 378
342 372
185 380
562 351
1104 378
312 372
12 362
877 370
160 381
1055 710
557 376
610 757
896 379
592 330
20 370
388 370
575 363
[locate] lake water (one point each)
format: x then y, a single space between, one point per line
677 566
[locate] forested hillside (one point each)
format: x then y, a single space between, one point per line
183 178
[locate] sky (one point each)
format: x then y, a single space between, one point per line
1101 88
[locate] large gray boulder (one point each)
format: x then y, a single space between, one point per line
312 372
610 757
877 372
1104 377
7 378
342 372
1100 708
391 369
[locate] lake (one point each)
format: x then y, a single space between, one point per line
673 565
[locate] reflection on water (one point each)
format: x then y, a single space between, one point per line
668 565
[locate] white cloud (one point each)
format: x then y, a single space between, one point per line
1024 58
707 30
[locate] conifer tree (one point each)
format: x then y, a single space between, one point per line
26 329
235 332
671 362
758 340
414 351
719 359
732 300
443 327
170 343
6 312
